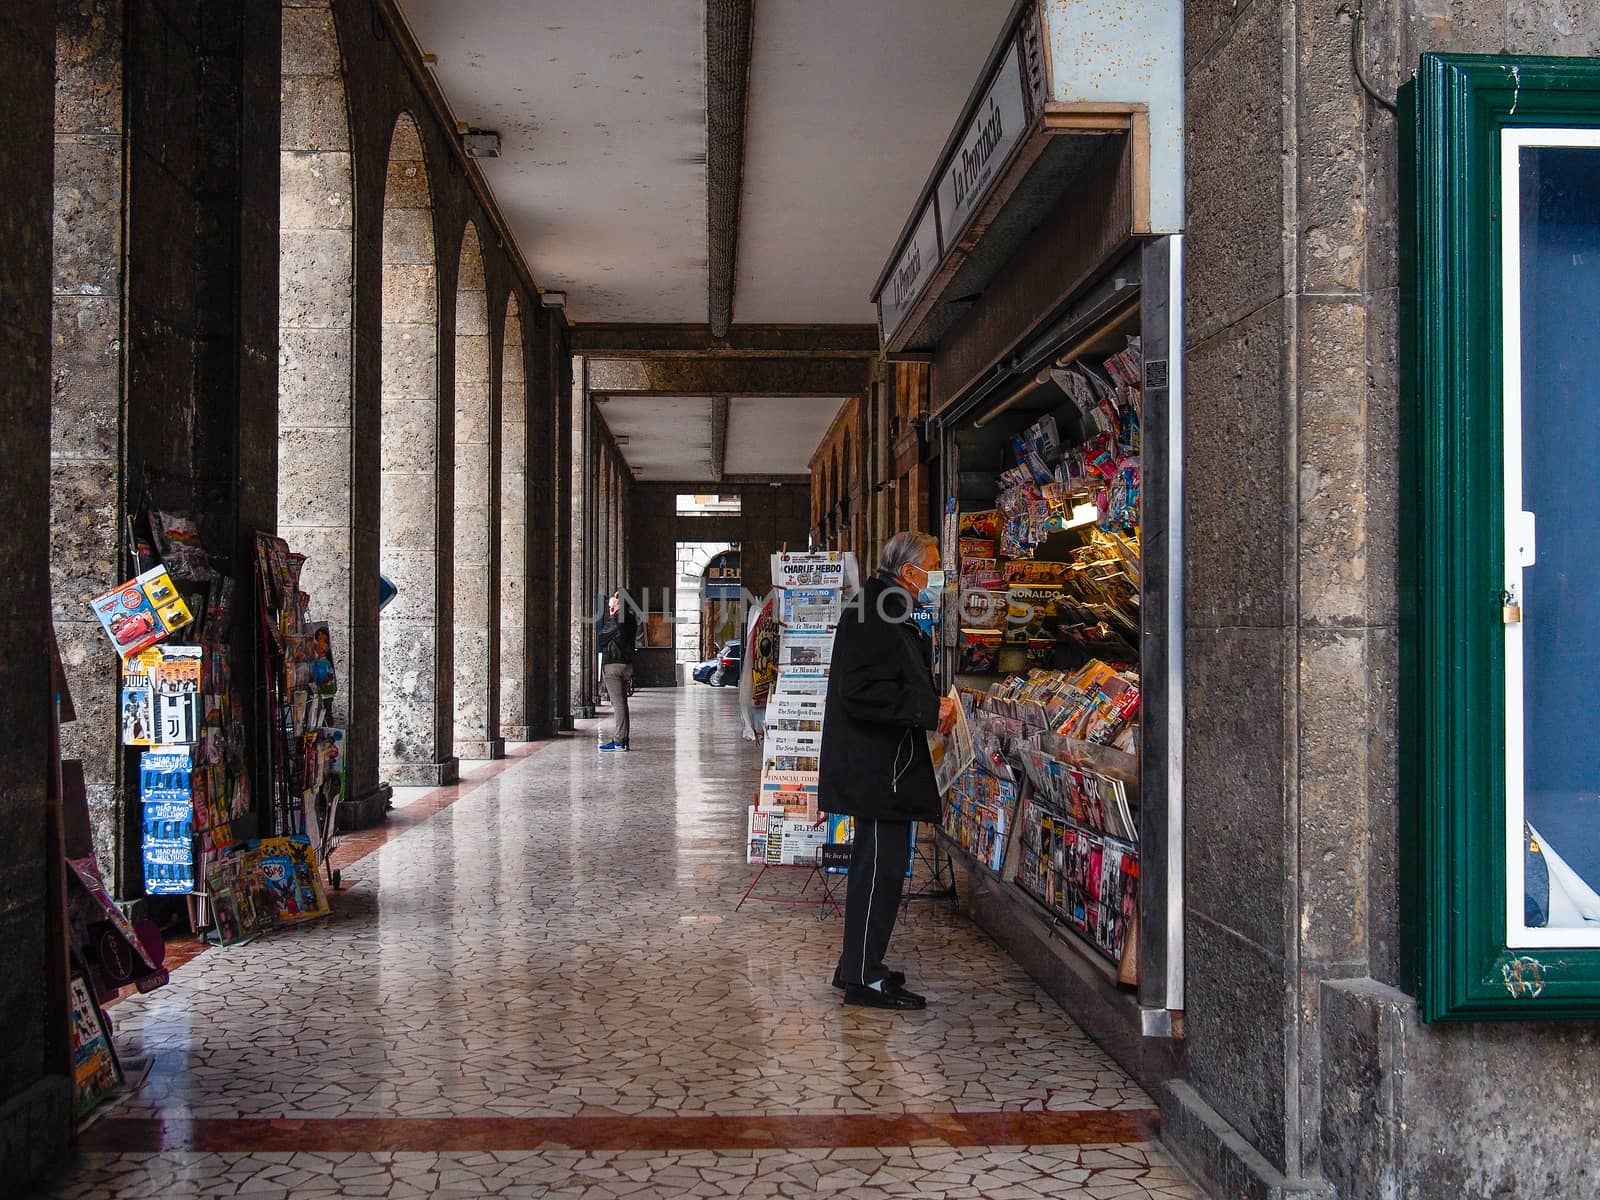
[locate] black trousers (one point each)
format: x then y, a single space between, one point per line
878 864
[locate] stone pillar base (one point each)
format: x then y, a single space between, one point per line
35 1131
1215 1154
517 733
413 774
481 749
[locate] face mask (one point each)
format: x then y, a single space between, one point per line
929 593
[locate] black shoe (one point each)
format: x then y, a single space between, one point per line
896 979
890 997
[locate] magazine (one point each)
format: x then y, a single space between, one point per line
96 1073
138 700
177 694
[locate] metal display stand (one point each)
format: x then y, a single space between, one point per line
825 899
939 882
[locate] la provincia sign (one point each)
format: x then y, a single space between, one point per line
990 135
916 264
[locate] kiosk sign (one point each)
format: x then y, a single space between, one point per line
994 129
911 273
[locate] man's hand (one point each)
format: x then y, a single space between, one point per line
947 714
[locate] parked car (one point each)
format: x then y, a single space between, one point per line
729 662
702 671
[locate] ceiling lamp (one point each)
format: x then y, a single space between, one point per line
480 143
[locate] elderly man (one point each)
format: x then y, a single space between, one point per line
875 763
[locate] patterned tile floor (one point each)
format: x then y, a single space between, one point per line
538 986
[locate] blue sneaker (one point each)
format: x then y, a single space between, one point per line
613 745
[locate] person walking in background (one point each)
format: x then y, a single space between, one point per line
616 637
875 763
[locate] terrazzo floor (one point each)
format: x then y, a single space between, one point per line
537 985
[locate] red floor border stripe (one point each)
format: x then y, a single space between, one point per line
465 1134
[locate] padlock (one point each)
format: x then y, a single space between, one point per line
1511 614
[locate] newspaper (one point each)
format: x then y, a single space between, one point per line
952 752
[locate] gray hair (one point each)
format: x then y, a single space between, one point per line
904 548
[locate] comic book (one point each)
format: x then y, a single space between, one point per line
96 1073
268 884
137 703
177 695
285 887
133 618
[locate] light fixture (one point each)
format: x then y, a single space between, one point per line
1083 514
480 143
553 299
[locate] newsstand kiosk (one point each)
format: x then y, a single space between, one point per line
1039 276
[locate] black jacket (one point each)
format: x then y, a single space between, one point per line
616 637
881 700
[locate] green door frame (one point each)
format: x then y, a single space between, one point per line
1452 687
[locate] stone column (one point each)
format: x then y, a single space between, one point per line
316 267
543 578
415 737
475 548
86 441
565 371
515 721
578 550
35 1092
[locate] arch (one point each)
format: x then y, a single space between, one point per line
721 599
515 717
692 560
316 263
476 588
413 739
